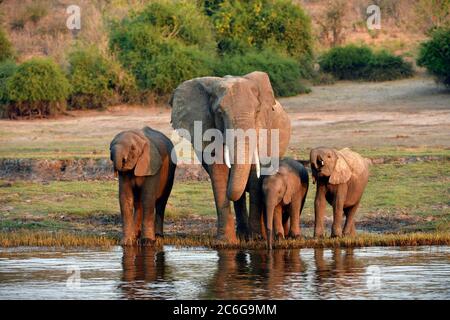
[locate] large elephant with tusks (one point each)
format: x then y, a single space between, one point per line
225 104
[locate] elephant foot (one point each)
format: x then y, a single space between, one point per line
336 231
128 241
279 236
147 242
227 239
242 236
350 233
294 235
336 234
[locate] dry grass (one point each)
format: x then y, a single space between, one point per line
54 239
66 239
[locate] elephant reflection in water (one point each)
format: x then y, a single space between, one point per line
252 274
141 265
341 271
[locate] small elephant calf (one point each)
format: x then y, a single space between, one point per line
341 178
142 159
284 197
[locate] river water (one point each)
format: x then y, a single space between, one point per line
199 273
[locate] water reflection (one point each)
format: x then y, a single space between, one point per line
198 273
140 266
253 274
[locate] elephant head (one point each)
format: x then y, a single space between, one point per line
337 165
132 150
277 190
232 103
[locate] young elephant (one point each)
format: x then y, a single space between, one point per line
284 196
142 159
341 178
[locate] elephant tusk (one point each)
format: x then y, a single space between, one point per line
226 155
258 166
321 162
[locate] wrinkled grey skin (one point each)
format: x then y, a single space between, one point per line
142 160
284 197
232 103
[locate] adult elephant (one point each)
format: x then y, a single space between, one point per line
230 102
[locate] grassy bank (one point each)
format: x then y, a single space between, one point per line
69 239
400 198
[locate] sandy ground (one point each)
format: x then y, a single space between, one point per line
408 113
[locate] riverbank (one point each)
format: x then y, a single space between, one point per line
57 185
70 240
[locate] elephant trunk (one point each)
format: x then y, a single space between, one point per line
313 163
269 208
116 158
240 170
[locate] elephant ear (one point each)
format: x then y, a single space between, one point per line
341 172
191 101
149 162
266 96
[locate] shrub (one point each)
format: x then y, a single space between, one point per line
165 44
260 24
284 72
37 88
97 81
360 62
384 66
348 62
7 69
6 49
36 11
434 55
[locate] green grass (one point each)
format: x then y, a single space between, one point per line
383 152
417 194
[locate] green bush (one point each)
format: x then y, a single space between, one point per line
284 72
360 62
37 88
384 66
6 49
7 69
260 24
165 44
348 62
97 81
434 54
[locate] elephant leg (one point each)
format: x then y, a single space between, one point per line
138 214
126 200
148 223
240 208
225 220
349 227
160 208
286 223
256 208
294 212
319 211
338 212
278 222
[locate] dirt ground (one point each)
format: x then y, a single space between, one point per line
406 113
